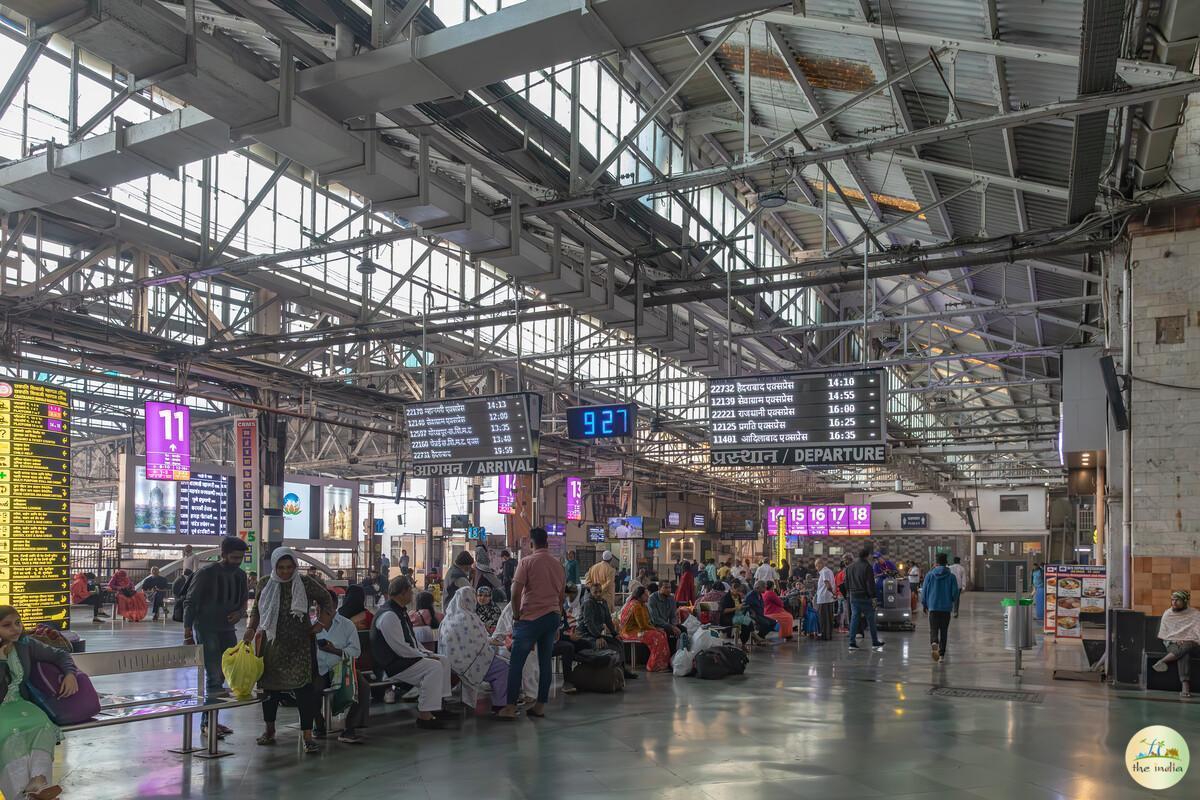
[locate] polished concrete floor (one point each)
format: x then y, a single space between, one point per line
805 721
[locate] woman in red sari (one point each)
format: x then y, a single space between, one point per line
636 627
131 604
773 608
685 595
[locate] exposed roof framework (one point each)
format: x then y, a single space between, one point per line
381 201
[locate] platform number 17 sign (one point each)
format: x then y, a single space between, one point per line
168 442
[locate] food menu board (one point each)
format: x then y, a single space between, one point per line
799 418
825 520
35 501
485 435
1073 591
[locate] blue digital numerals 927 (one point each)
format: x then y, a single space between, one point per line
594 422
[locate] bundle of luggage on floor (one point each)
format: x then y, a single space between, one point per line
598 671
720 662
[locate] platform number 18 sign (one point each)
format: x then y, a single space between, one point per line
168 442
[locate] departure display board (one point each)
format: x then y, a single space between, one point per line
204 505
799 418
35 501
487 435
822 520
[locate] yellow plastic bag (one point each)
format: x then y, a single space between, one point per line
242 669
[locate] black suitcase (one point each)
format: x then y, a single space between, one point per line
600 678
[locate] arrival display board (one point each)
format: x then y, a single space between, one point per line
204 505
35 502
487 435
1074 592
799 418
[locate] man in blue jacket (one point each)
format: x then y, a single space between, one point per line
939 594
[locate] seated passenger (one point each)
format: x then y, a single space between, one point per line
131 603
464 643
84 593
426 620
596 629
733 612
762 623
487 611
773 608
663 614
338 640
27 736
155 586
1179 629
397 653
636 627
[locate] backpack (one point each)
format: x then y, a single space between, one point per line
600 678
44 681
710 664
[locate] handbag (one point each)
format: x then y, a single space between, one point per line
742 618
344 680
45 680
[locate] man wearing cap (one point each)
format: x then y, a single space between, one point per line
1180 631
215 601
603 574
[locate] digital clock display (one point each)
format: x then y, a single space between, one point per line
601 422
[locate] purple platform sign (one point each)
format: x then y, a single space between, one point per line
574 498
168 442
506 494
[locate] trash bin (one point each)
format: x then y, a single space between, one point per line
1018 623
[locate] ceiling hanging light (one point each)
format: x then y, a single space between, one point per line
772 199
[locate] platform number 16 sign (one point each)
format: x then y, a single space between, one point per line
168 442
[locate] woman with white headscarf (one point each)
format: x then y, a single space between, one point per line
287 635
464 642
502 637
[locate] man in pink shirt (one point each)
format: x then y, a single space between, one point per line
537 601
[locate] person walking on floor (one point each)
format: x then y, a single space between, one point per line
960 575
288 643
860 589
826 602
537 600
939 596
215 601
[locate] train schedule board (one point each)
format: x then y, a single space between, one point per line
483 435
799 418
35 502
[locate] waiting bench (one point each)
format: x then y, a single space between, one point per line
123 709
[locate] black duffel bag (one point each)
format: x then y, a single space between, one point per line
601 678
710 665
734 657
598 657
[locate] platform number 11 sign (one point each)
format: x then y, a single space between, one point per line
168 442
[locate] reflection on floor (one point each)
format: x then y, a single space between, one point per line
806 721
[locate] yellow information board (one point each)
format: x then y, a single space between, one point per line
35 502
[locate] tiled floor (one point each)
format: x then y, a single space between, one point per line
808 721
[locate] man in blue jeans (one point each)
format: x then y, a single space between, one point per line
537 600
215 601
860 588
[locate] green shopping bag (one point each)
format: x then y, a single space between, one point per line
344 679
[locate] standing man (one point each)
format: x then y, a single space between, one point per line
939 595
216 600
604 575
678 568
385 566
825 599
960 575
508 568
537 601
190 561
572 568
664 612
765 573
404 562
860 588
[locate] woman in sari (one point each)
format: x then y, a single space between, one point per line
502 638
636 627
685 594
774 609
288 644
131 604
464 642
487 611
27 736
83 594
